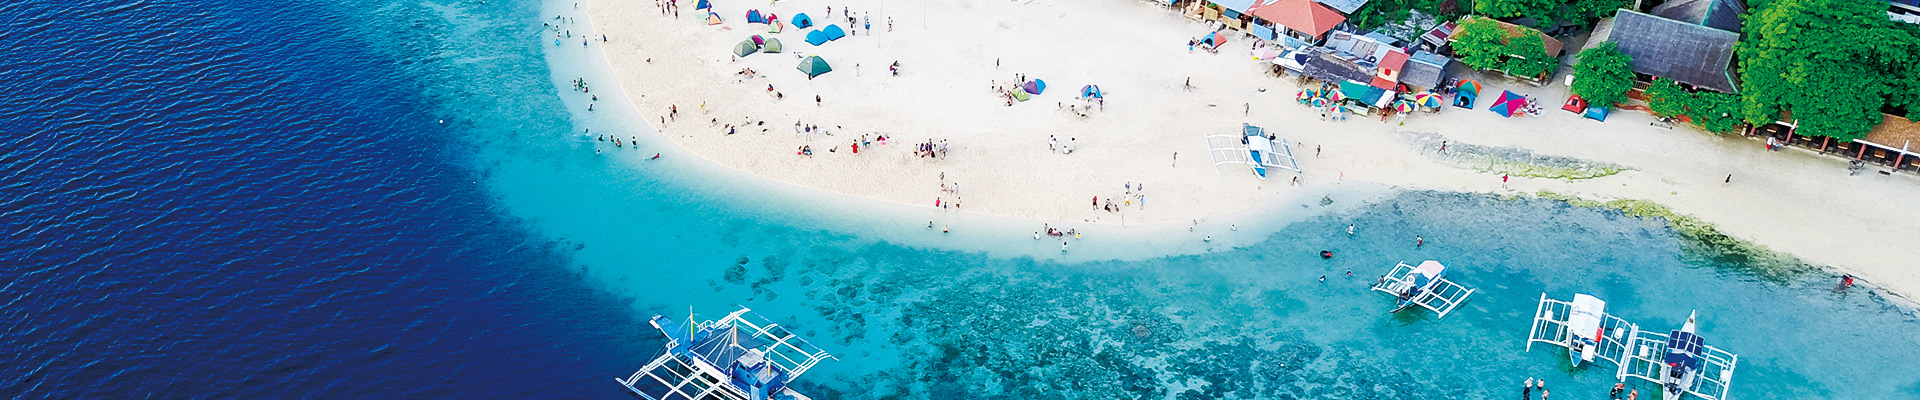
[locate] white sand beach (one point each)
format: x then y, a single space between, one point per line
1152 127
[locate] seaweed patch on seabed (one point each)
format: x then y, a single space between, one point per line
1510 160
1702 243
1031 331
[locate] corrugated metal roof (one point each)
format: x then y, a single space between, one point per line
1718 14
1345 6
1686 53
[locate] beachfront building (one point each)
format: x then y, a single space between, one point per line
1907 11
1302 19
1697 56
1549 45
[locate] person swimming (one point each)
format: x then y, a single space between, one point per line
1324 254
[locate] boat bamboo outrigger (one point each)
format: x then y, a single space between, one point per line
1681 362
1583 327
740 357
1425 286
1253 147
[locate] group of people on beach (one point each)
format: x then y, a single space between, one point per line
931 149
1135 194
1054 145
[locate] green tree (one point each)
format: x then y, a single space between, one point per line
1381 12
1666 98
1542 10
1584 12
1603 76
1530 59
1834 63
1715 111
1479 43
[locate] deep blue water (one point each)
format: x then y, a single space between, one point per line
391 198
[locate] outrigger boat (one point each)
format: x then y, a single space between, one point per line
1681 362
1583 327
1425 286
740 357
1254 147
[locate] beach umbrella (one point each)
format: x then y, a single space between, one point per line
773 46
1090 91
745 48
1320 102
1508 104
1428 100
1402 106
703 5
1337 95
801 21
814 66
1469 86
1303 95
1034 86
817 38
834 32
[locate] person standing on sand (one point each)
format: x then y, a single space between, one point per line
1096 202
1053 144
1176 159
816 100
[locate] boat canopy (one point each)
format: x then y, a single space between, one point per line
1683 349
1586 317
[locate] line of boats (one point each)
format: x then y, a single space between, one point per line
743 356
1679 361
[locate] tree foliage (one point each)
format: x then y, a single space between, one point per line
1381 12
1479 43
1834 63
1713 111
1530 57
1542 10
1584 12
1603 75
1666 98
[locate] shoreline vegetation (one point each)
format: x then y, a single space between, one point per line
1509 160
1700 239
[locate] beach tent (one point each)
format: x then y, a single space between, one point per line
834 32
801 21
1575 105
1034 86
772 46
1597 113
1090 92
703 5
753 17
776 27
745 48
814 66
771 17
1428 100
758 41
1508 104
1464 99
817 37
713 18
1021 95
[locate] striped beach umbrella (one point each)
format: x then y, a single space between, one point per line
1402 106
1320 102
1304 94
1336 95
1428 100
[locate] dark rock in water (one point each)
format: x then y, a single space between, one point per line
737 274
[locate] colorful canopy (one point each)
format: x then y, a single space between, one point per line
1597 113
745 48
1403 106
1320 102
753 17
1090 91
1034 86
1469 86
1337 95
1428 100
801 21
817 37
814 66
1508 104
1304 94
834 32
772 46
713 18
1214 39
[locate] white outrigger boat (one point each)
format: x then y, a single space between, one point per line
1254 147
1425 286
739 357
1583 327
1681 362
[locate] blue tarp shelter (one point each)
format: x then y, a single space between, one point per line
801 21
1596 113
817 37
834 32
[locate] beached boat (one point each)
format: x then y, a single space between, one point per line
1583 327
1425 286
1254 147
740 357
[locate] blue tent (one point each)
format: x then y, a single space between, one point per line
1597 113
817 38
1090 92
753 17
703 5
801 21
834 32
814 66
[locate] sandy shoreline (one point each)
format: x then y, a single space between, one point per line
1792 201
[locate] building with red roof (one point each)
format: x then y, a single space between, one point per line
1309 19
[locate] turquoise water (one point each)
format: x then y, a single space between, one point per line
1151 312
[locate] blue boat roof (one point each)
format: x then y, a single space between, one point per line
1683 349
